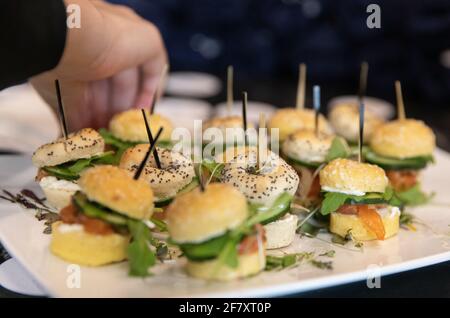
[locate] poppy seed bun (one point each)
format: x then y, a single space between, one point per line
177 170
130 126
344 175
74 245
289 120
306 146
403 139
264 187
281 233
116 189
345 121
197 216
248 264
83 144
341 224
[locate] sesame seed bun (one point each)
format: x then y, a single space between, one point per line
197 216
264 187
248 264
83 144
403 139
344 175
281 233
288 120
116 189
345 121
177 170
80 247
304 145
341 224
130 126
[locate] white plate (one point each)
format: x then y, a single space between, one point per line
254 108
193 84
22 235
15 278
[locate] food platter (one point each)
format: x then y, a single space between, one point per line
22 235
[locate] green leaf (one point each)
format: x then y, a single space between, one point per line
396 164
339 149
337 239
280 207
140 255
213 167
161 225
332 201
413 196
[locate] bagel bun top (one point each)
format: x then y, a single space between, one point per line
305 145
352 177
198 216
344 118
274 177
82 144
130 126
114 188
288 120
176 171
405 138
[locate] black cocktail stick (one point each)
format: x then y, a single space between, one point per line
62 115
144 161
150 139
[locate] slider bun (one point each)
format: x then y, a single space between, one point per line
341 224
130 126
177 170
281 233
289 120
306 146
80 247
116 189
58 192
274 178
249 264
403 139
345 121
222 123
83 144
348 175
197 216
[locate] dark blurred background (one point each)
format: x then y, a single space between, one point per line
267 39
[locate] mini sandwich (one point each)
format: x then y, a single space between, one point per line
61 162
104 223
403 148
357 196
307 152
288 120
176 175
269 187
127 129
344 118
214 232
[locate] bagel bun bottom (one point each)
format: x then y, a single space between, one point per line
88 249
58 193
281 233
341 223
249 264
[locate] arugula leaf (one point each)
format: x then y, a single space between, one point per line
333 200
413 196
213 167
71 170
140 256
339 149
287 260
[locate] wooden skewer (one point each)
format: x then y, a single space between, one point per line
61 113
363 81
159 88
230 96
144 161
400 105
316 102
301 86
244 115
198 174
361 131
151 140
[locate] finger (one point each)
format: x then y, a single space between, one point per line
124 88
99 103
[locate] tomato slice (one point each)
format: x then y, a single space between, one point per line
402 180
372 221
250 243
348 209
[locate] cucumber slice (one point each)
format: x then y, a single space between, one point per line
397 164
94 210
312 165
206 250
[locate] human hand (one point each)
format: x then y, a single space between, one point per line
113 62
